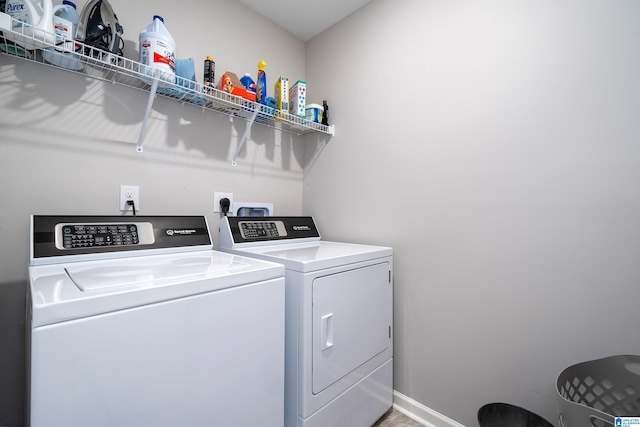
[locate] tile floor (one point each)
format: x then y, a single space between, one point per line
396 419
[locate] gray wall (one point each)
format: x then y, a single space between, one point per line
494 145
67 143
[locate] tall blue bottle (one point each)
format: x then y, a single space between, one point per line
261 84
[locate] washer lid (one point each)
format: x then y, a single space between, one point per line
150 271
313 256
68 291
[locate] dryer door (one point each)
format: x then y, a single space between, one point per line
351 321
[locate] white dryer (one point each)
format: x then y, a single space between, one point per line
136 321
339 319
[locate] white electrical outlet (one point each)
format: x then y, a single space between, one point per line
129 192
216 200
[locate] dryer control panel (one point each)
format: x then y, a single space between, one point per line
240 230
262 229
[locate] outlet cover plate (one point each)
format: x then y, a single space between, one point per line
216 200
129 192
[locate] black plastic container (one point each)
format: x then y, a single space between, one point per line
505 415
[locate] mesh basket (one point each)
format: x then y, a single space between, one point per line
593 393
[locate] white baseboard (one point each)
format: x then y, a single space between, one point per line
420 413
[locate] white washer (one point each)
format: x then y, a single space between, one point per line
136 321
339 319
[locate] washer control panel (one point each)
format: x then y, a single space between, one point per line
89 235
262 229
64 238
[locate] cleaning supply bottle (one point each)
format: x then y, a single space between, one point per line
32 25
248 83
209 72
261 85
158 51
65 22
250 87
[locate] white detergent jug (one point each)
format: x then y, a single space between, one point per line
158 51
32 25
65 23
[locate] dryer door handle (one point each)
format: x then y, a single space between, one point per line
327 331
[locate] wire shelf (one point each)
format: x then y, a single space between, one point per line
35 45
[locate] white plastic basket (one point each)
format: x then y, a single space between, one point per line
593 393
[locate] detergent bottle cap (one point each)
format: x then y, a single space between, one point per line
261 65
158 17
70 3
209 58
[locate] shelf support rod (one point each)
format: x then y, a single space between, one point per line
244 136
152 95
